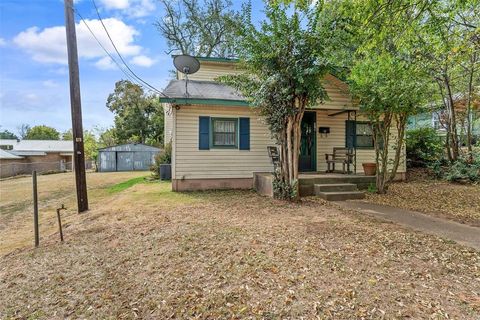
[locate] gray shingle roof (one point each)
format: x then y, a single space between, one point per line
202 90
7 155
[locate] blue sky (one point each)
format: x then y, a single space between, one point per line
33 71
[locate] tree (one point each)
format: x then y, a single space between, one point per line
199 28
90 144
138 117
5 134
22 130
106 137
283 63
42 132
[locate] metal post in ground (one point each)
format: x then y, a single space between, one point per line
60 221
35 209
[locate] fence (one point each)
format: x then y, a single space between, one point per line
15 169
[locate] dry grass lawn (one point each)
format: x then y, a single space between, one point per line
148 253
459 202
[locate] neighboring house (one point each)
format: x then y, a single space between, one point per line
40 155
435 115
218 140
126 157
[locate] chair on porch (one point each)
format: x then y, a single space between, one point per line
274 155
344 156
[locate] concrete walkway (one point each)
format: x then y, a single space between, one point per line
461 233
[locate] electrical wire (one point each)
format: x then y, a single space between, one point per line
120 56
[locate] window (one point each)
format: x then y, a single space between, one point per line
364 135
224 132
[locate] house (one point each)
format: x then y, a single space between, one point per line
219 142
435 115
40 155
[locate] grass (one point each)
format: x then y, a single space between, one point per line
148 252
119 187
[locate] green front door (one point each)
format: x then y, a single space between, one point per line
308 148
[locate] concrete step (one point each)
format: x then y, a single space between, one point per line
341 195
330 187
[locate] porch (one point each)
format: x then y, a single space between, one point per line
262 182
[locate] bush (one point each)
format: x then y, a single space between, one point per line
163 157
424 147
462 170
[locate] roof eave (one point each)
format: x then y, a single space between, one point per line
218 102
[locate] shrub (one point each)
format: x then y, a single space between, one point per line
462 170
163 157
424 147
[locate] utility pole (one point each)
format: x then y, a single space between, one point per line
76 106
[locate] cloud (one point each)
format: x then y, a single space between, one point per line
131 8
49 45
3 42
50 84
142 61
105 64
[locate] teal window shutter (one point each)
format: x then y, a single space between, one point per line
350 134
204 133
244 134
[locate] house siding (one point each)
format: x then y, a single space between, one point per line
192 163
336 138
168 123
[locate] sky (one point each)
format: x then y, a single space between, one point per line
34 87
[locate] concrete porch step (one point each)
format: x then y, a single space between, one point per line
330 187
341 195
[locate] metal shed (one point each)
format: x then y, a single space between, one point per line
126 157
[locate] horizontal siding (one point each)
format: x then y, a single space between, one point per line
336 138
210 71
168 123
192 163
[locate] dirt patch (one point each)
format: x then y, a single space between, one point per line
236 255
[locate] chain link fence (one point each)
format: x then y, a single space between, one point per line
16 169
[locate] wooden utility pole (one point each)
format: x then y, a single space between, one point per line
76 106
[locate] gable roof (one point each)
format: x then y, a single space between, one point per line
39 145
7 155
202 92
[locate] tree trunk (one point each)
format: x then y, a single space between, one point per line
454 145
401 121
469 107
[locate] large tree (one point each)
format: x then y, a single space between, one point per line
42 132
199 27
138 116
284 63
5 134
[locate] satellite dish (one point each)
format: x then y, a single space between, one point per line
186 64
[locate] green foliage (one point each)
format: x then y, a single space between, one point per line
90 145
372 188
125 185
42 133
5 134
424 147
284 62
462 170
163 157
138 117
200 28
283 190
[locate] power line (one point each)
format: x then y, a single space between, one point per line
120 56
104 49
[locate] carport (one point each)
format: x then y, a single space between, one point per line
126 157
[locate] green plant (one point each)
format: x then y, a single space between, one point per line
163 157
424 147
372 188
283 190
